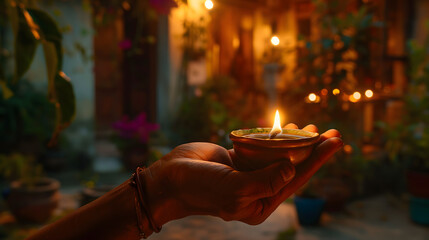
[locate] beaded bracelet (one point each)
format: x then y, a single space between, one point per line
141 205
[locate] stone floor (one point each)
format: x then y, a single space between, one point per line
378 218
375 218
207 228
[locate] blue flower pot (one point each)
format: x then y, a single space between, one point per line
309 210
419 210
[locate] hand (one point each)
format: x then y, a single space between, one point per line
199 178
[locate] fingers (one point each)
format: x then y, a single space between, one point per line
321 154
267 182
232 155
329 134
311 128
261 209
291 126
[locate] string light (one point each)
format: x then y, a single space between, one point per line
356 95
324 92
312 97
336 91
369 93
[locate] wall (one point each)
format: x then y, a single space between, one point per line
170 54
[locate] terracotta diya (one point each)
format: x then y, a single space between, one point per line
259 147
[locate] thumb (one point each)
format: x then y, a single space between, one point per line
268 181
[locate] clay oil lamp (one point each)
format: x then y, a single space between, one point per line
259 147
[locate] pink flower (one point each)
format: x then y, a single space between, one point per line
125 44
137 128
163 6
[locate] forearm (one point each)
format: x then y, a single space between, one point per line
112 216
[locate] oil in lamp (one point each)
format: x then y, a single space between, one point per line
259 147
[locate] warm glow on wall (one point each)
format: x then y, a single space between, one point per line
236 42
209 4
369 93
336 91
275 40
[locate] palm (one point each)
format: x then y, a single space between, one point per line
199 174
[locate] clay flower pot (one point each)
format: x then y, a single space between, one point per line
309 210
34 204
257 151
90 194
417 183
419 210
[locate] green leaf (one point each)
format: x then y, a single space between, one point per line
25 43
49 31
51 61
52 48
60 89
65 105
13 17
7 93
66 99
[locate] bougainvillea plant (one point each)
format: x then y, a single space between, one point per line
133 132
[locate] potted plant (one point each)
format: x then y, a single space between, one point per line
132 138
92 190
341 178
26 119
416 137
309 204
31 197
408 140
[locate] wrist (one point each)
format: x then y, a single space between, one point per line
162 205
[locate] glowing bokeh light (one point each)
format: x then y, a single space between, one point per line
369 93
312 97
324 92
209 4
356 95
275 41
348 149
336 91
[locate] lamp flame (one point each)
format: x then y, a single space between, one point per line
277 129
